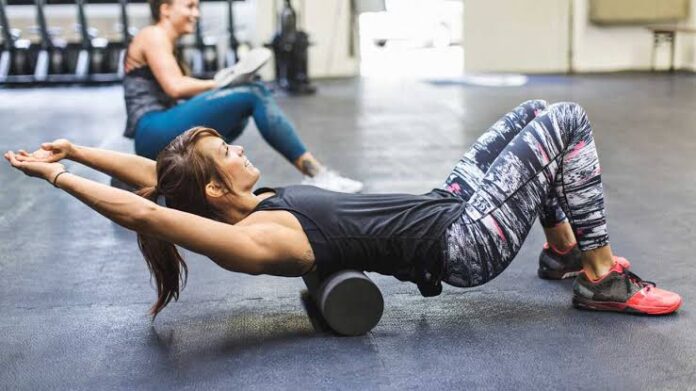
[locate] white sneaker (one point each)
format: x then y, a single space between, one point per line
244 70
331 180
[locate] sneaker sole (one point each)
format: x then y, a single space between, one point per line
561 275
252 64
592 305
557 275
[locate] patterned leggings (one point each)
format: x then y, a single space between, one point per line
535 161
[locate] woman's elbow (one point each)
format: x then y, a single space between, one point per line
173 91
144 219
174 87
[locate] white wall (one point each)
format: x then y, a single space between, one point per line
329 26
515 35
499 34
600 48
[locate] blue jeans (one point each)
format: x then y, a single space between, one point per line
227 111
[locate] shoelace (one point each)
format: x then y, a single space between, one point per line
633 278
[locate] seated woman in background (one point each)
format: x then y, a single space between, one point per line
534 162
155 80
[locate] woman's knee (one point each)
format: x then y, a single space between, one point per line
256 89
250 92
573 119
260 87
470 280
534 106
568 110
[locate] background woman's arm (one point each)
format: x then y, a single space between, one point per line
159 56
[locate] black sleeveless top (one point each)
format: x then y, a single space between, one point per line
401 235
142 94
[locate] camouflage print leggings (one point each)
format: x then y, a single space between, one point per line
535 161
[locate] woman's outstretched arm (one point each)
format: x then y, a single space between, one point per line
266 248
129 168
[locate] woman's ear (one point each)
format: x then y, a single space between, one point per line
214 190
164 9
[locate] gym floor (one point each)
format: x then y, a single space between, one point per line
74 290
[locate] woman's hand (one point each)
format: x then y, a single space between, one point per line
223 77
34 168
48 153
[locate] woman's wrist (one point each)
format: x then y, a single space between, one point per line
70 153
74 153
53 178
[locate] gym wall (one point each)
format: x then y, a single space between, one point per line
534 36
515 35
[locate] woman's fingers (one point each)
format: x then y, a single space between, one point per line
10 156
14 161
37 156
23 156
33 168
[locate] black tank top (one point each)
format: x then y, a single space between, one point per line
401 235
142 94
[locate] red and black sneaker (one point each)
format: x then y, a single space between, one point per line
622 291
555 264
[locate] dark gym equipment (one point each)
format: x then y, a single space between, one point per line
126 36
349 302
84 59
7 44
97 58
50 56
204 56
14 59
231 55
290 48
92 59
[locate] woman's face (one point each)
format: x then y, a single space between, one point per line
237 167
182 14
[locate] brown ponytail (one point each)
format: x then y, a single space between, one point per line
182 174
155 8
164 262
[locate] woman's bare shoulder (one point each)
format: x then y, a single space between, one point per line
150 34
149 40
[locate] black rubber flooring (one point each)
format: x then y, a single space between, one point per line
74 290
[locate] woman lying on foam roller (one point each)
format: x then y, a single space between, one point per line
535 161
155 80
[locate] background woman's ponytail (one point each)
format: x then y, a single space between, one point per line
155 8
156 16
164 261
